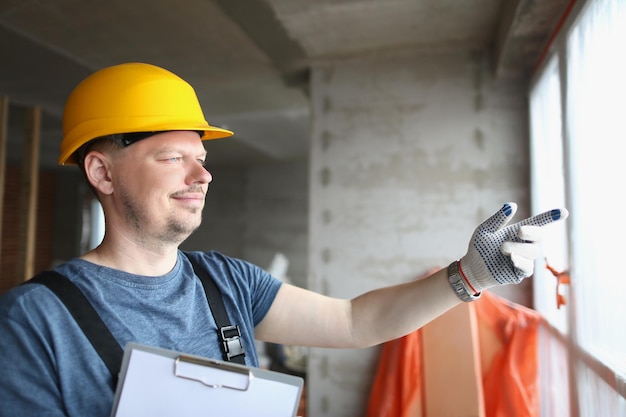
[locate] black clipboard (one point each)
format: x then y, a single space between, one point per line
165 383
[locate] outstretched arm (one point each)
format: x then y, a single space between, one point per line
497 254
305 318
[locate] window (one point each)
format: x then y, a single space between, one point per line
93 224
578 144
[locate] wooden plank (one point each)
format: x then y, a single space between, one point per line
4 123
452 366
30 188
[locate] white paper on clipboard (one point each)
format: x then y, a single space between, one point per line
164 383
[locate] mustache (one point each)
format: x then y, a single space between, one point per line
191 190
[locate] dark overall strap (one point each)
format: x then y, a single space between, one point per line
86 317
229 335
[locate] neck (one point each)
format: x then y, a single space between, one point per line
134 258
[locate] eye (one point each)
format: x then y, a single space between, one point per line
175 159
202 162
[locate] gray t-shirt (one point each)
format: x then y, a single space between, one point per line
49 368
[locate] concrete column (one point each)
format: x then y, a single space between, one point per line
408 155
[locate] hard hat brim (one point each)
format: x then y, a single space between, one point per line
210 132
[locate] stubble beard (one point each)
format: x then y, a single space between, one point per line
174 231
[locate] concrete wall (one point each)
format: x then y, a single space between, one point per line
69 199
277 202
408 155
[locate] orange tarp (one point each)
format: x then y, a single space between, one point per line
508 336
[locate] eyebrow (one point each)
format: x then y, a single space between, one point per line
174 149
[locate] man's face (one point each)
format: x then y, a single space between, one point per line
160 185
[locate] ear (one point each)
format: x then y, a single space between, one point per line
98 173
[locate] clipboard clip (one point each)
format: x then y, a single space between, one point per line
205 371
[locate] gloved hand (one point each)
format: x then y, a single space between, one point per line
499 254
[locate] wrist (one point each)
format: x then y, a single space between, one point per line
477 276
460 283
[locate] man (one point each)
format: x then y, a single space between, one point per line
136 132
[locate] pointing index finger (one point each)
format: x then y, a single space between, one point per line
546 217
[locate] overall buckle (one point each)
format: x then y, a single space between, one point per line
231 341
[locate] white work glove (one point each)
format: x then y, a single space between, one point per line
499 254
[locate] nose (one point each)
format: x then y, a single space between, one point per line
207 175
201 174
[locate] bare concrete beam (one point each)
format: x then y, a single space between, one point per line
525 28
35 74
257 19
509 15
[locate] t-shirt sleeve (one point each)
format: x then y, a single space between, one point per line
253 288
264 290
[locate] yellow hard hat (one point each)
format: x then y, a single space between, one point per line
128 98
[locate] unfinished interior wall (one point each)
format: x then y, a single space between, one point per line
11 235
409 154
69 199
277 216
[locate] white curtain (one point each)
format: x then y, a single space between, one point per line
548 191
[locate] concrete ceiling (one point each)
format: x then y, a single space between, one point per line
247 59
